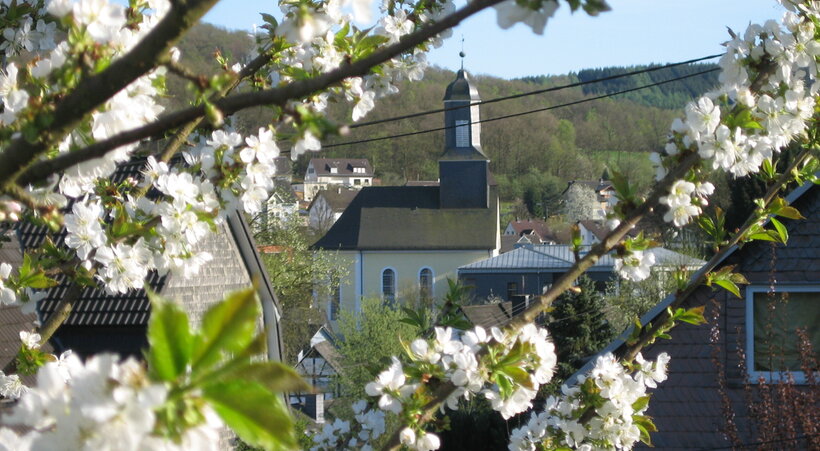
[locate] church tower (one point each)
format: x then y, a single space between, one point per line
463 168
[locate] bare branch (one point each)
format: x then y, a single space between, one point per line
232 104
93 91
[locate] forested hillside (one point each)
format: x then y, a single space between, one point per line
534 153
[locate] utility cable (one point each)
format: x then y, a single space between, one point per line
508 116
531 93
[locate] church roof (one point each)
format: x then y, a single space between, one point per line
461 88
409 218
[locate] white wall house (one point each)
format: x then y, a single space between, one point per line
325 172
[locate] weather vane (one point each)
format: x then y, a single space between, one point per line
461 53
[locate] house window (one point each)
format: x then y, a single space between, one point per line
512 290
357 181
334 170
462 133
366 181
389 285
426 283
771 321
358 170
335 300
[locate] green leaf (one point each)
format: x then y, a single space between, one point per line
276 377
790 212
781 230
227 327
645 425
640 403
729 286
258 416
768 235
692 316
170 339
270 20
517 374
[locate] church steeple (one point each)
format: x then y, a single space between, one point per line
463 167
463 134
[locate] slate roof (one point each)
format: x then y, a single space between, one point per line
488 315
407 218
598 229
337 197
535 258
559 257
344 167
687 407
597 186
531 225
282 166
95 307
12 319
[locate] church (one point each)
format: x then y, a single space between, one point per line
401 243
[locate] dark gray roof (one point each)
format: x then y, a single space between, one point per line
283 166
337 197
688 408
409 217
12 319
462 88
344 166
95 307
488 315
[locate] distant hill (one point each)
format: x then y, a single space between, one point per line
534 153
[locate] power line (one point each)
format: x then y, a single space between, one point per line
508 116
531 93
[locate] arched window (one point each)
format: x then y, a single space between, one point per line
389 284
426 283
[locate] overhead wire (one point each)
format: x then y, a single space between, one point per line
523 113
535 92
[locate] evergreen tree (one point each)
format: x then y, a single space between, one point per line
579 327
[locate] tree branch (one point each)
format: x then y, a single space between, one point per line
628 353
95 90
232 104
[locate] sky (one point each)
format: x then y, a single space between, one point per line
634 32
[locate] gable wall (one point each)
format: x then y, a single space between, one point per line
223 274
687 407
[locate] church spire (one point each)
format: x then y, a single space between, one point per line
462 136
463 168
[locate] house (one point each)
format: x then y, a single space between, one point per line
530 268
318 366
328 205
584 199
102 322
688 407
283 202
12 318
537 232
410 239
324 172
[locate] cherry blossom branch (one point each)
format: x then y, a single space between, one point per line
566 281
93 91
628 353
229 105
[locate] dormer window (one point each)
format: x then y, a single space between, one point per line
334 170
462 133
358 170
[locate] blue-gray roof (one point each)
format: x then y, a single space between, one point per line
560 257
536 257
